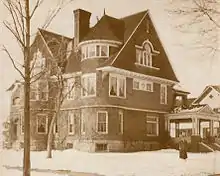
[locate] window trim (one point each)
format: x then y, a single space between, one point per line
37 91
152 122
72 82
71 115
85 76
46 126
82 119
117 76
121 121
87 48
146 82
97 122
165 94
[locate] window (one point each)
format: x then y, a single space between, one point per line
211 96
102 122
71 120
152 126
121 122
83 125
101 147
55 127
16 101
117 86
163 94
39 90
42 124
89 85
143 85
93 50
69 90
22 124
144 56
38 63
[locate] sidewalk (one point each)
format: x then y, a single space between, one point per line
58 172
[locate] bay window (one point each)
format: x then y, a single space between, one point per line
89 85
117 85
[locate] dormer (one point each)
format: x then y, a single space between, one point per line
145 55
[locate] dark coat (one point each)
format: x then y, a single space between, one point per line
183 149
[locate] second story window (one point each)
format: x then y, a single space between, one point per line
163 94
38 63
144 56
69 89
117 86
139 84
88 85
39 90
94 50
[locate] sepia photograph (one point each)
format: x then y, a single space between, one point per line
109 88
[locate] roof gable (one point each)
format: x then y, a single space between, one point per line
126 57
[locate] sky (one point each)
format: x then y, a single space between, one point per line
193 69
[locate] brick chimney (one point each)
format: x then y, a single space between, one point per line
81 25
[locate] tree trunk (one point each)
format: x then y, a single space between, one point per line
26 158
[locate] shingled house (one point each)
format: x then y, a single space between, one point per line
126 87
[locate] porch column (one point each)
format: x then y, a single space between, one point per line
177 129
211 127
195 126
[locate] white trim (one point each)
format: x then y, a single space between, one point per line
153 122
151 45
138 64
106 124
118 77
93 75
146 82
131 74
129 38
115 106
166 94
121 114
109 42
71 117
46 125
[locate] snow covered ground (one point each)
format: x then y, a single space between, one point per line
158 163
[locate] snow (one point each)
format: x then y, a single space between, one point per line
160 163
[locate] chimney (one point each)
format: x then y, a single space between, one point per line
81 25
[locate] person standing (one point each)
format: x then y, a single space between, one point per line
183 149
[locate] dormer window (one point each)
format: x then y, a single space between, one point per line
94 51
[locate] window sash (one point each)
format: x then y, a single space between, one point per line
39 91
152 126
142 85
163 94
70 89
95 50
71 120
42 121
89 85
117 86
102 124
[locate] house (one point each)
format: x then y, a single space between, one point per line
125 87
199 121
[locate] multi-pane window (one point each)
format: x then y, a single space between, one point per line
89 85
83 124
143 85
39 90
42 124
163 94
102 122
71 120
152 126
121 122
38 63
93 50
144 56
117 85
69 88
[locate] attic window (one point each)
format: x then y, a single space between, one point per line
16 101
94 51
144 56
211 96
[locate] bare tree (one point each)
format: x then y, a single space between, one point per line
19 26
201 17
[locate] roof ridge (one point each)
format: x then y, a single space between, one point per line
144 11
43 30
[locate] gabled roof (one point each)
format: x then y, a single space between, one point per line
55 42
205 92
204 109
